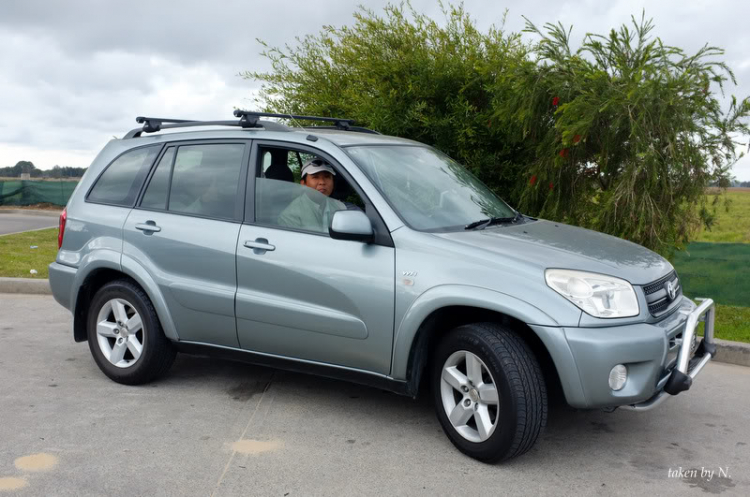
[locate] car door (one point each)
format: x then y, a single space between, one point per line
302 294
184 231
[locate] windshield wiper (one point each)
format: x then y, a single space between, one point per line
483 223
477 224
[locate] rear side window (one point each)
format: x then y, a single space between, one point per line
202 180
156 193
121 181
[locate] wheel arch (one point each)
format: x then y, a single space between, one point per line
442 309
97 277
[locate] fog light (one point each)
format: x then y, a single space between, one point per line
617 377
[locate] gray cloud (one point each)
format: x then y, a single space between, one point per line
74 73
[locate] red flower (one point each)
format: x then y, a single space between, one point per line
489 123
564 153
532 181
551 185
576 138
555 101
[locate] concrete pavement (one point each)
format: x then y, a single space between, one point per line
220 428
16 221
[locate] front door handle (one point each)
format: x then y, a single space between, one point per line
260 245
148 227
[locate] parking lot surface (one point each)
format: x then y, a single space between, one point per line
215 427
13 222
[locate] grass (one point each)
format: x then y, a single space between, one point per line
717 265
732 323
733 225
17 258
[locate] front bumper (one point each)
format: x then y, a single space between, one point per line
658 357
687 367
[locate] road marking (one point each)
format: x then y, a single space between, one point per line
10 483
254 447
242 437
36 462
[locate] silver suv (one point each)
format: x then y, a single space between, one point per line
405 271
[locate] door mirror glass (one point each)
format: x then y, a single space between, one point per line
351 225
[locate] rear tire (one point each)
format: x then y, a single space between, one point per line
125 335
489 392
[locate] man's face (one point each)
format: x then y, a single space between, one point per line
321 181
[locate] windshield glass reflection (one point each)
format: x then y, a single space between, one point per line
428 189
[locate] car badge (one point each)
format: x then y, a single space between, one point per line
671 291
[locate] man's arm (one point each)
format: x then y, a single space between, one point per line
289 218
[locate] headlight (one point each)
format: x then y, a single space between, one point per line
596 294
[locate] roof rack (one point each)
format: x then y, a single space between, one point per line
248 119
358 129
252 117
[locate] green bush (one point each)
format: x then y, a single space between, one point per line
621 135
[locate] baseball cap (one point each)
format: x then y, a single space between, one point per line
315 166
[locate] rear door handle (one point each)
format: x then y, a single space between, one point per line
148 227
260 245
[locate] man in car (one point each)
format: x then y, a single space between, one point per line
313 210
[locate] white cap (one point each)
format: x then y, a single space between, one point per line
315 166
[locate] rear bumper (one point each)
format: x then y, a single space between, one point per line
691 359
61 279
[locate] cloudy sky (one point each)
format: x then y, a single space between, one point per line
75 73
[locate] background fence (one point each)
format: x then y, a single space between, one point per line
30 192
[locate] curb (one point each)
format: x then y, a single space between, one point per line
732 352
726 351
25 285
32 212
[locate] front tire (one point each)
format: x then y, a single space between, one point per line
489 392
125 335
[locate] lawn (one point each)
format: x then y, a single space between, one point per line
17 258
733 225
732 323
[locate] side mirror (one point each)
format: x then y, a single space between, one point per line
351 225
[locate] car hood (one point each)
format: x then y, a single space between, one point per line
556 245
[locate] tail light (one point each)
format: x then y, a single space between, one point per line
61 227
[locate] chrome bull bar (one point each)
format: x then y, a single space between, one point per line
681 379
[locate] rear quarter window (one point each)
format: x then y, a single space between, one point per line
120 182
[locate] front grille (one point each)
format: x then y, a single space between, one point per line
658 284
657 296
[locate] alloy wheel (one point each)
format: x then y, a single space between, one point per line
120 333
469 396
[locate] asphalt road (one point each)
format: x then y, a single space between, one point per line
221 428
14 222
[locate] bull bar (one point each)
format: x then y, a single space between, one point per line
685 370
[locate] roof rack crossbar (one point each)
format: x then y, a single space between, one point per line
183 123
358 129
248 119
153 124
251 117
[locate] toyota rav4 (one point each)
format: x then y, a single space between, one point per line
413 273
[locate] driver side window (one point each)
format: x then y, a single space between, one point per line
287 199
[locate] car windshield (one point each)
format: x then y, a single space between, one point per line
428 189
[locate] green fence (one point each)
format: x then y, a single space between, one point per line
29 192
720 271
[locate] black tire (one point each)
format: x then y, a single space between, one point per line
522 396
158 353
